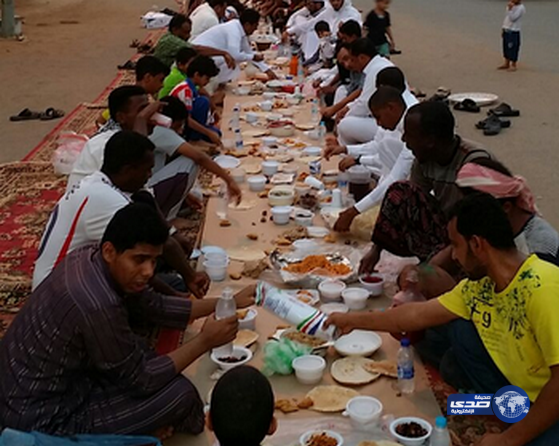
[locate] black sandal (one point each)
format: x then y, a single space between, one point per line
504 110
51 113
467 105
490 120
25 115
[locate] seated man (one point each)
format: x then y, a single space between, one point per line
177 162
310 9
178 71
206 16
150 75
510 299
71 361
233 37
199 73
412 219
242 408
324 55
177 37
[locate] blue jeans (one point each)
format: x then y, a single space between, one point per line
511 45
200 112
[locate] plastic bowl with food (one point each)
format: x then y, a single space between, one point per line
309 368
355 298
243 91
281 129
358 343
240 356
374 283
270 168
334 307
331 290
272 117
257 183
304 217
312 151
363 410
269 141
411 431
249 321
281 196
321 438
263 45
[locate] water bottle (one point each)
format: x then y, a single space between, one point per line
226 307
300 72
343 179
315 112
440 435
236 120
222 201
405 367
322 132
238 139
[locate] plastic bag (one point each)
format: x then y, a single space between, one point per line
70 145
11 437
155 20
278 356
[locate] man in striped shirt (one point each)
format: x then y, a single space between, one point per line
71 361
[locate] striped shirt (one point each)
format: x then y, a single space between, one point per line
73 338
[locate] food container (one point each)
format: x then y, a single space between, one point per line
288 87
303 217
243 91
238 352
238 175
216 269
355 298
269 141
314 183
302 189
281 196
249 322
312 151
408 441
358 343
268 95
359 178
257 183
283 131
251 117
269 168
363 410
334 307
309 368
266 105
280 214
331 290
263 45
274 117
374 283
293 99
290 168
304 439
217 256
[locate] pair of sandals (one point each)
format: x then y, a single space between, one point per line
28 115
467 105
494 123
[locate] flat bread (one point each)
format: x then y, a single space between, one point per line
245 338
252 169
330 398
255 133
246 254
304 127
386 368
351 371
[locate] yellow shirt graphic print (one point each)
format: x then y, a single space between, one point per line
519 326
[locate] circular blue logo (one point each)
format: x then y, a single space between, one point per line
510 404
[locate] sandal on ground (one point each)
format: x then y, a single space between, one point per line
492 128
467 105
504 123
51 113
25 115
504 110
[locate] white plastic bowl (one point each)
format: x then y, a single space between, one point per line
274 117
406 441
355 298
331 290
238 352
238 175
281 196
363 410
243 91
216 270
307 435
280 214
358 343
291 168
269 168
304 217
309 368
312 151
257 183
249 322
269 141
375 288
282 132
266 105
251 117
334 307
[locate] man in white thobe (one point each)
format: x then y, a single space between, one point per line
206 16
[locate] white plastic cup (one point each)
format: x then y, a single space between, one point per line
309 368
251 117
216 270
162 120
314 183
337 198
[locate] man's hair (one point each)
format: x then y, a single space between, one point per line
177 21
125 148
321 27
481 215
203 65
174 108
214 3
351 28
391 77
385 95
150 65
363 46
250 16
119 97
242 407
134 224
185 55
435 119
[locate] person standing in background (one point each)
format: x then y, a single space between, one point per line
379 28
511 34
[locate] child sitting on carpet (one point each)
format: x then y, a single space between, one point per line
324 56
178 71
242 408
150 74
191 93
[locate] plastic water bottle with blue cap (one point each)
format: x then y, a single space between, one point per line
440 435
226 307
406 373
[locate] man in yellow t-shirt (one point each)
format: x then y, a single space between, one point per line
511 300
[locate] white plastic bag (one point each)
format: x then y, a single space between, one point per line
154 20
70 145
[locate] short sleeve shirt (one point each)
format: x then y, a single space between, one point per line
376 26
518 326
186 92
166 143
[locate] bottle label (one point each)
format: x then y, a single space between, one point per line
405 372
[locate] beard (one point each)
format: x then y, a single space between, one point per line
473 268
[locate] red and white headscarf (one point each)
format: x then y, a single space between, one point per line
494 183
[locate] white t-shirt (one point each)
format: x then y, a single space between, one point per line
79 218
166 143
91 158
513 18
203 18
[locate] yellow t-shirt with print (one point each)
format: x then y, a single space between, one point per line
518 326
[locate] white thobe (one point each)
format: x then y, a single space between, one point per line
203 18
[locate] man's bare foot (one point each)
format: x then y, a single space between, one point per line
512 68
164 433
503 67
